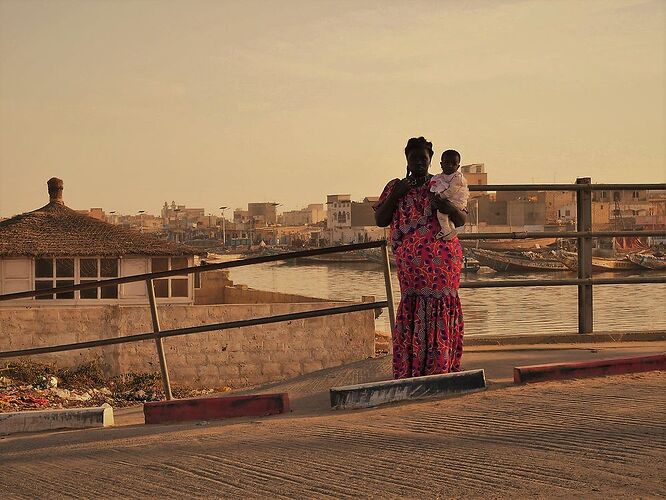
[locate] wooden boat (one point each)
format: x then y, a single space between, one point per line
599 264
517 262
470 265
508 245
647 261
262 252
333 258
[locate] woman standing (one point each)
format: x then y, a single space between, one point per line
428 334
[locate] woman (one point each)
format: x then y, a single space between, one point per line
428 333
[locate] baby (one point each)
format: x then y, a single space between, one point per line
450 184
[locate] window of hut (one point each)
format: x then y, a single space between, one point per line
57 272
95 269
53 272
173 286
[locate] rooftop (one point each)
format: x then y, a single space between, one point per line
56 230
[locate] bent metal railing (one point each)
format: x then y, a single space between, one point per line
158 334
584 281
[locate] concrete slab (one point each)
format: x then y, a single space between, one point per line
71 418
595 438
561 371
552 339
216 408
390 391
310 394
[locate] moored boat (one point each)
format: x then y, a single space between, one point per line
334 258
599 264
470 265
508 245
648 261
517 262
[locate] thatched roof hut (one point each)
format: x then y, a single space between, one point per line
56 230
56 246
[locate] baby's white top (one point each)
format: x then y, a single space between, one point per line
442 182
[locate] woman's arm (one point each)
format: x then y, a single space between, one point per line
384 213
458 217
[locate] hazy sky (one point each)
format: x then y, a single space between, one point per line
209 103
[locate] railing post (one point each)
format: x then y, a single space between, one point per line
389 286
584 223
166 384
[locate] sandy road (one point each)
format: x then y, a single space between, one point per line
597 437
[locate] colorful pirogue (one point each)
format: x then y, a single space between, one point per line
648 261
599 264
526 261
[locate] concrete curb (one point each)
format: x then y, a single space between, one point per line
583 369
389 391
48 420
183 410
563 338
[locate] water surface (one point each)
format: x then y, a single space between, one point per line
489 310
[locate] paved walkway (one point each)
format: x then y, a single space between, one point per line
309 393
598 438
602 437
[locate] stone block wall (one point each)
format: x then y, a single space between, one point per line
217 288
237 357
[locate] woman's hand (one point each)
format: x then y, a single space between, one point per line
384 214
401 188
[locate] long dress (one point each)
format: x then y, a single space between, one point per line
428 333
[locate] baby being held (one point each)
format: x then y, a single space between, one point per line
450 185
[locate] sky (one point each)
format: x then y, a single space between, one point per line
219 103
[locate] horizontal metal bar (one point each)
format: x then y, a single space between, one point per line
566 187
317 251
522 235
195 269
365 306
317 313
628 280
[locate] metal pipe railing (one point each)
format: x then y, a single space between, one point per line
176 332
584 248
159 334
166 384
307 253
194 269
628 280
523 235
584 282
566 187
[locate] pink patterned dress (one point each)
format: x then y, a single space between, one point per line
428 334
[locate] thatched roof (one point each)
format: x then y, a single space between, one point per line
56 230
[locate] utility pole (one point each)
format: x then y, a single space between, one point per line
224 227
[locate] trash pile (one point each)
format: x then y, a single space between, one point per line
34 386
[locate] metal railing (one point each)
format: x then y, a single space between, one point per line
158 334
583 234
584 281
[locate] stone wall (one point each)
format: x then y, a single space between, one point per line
217 288
241 294
237 358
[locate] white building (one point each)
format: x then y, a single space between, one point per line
339 211
312 214
57 246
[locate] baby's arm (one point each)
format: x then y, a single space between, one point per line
457 195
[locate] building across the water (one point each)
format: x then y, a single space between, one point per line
312 214
58 246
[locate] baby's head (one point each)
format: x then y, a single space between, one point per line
450 161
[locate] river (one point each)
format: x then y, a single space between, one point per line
489 310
